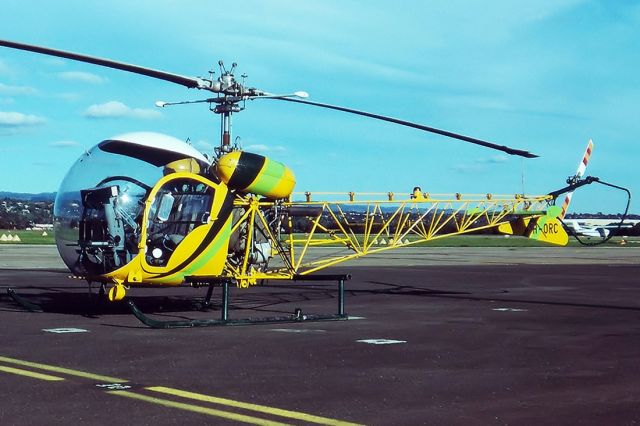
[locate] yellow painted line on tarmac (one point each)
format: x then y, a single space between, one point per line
198 409
253 407
272 411
62 370
31 374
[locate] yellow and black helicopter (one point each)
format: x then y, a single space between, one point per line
148 209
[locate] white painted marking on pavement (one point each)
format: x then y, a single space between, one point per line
509 310
113 386
65 330
381 341
294 330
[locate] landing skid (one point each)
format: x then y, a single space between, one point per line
297 316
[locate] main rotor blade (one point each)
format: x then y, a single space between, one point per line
190 82
511 151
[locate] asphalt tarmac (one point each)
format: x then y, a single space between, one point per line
436 336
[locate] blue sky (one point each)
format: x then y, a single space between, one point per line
543 76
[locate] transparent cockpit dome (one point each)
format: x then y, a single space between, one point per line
98 169
126 167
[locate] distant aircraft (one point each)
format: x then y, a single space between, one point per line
574 226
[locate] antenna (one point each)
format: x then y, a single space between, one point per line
522 173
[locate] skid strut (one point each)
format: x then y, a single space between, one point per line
297 316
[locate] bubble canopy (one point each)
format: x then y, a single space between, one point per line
126 167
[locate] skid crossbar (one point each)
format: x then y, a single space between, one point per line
297 316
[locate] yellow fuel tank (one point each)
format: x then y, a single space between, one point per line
247 172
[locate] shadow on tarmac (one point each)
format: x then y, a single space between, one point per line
264 299
415 291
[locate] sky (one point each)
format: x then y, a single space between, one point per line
543 76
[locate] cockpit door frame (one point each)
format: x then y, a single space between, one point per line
220 192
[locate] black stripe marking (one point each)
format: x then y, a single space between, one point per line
248 168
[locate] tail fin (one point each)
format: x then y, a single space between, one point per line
548 228
579 173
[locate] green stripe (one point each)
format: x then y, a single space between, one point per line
269 177
554 211
207 255
538 226
210 239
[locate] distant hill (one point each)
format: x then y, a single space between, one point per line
43 196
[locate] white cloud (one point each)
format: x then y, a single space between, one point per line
69 96
56 62
17 119
469 168
115 109
498 158
80 76
257 148
476 100
4 68
64 144
203 145
480 164
16 90
261 148
331 59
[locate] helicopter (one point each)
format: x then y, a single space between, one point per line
147 209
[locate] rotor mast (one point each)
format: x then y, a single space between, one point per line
230 93
225 136
231 97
